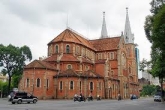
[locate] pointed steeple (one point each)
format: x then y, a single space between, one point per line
104 29
128 36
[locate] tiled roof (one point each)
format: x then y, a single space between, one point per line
71 36
65 57
106 43
40 64
68 57
101 61
67 73
91 73
72 73
85 60
51 58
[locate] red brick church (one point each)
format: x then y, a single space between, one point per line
105 66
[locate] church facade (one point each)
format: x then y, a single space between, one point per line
105 66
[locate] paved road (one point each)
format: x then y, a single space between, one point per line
139 104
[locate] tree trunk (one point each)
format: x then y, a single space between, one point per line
161 82
9 84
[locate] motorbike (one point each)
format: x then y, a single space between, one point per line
79 98
119 98
98 98
90 98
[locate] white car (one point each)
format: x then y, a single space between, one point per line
157 98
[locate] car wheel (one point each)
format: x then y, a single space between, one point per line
13 102
19 101
34 101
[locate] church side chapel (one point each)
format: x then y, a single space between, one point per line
105 67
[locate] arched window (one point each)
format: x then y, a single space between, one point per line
112 55
47 83
91 86
27 82
80 85
69 66
129 69
67 49
38 82
71 85
83 52
57 51
99 85
60 85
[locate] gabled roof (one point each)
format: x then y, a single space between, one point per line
40 64
106 43
69 35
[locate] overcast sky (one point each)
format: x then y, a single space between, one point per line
36 22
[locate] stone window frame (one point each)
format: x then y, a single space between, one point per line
61 85
100 85
47 83
67 48
91 86
80 83
87 67
38 82
77 49
27 82
83 52
112 72
56 48
69 66
71 85
111 55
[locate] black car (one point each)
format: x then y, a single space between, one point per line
20 97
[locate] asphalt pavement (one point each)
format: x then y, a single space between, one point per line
137 104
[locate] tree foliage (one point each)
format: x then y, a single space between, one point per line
12 59
149 90
155 32
3 88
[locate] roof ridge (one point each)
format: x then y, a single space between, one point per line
78 33
41 63
106 38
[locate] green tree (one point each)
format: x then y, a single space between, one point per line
12 59
3 88
155 31
148 90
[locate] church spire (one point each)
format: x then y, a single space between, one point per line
104 29
128 36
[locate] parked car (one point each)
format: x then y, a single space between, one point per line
20 97
157 98
133 97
